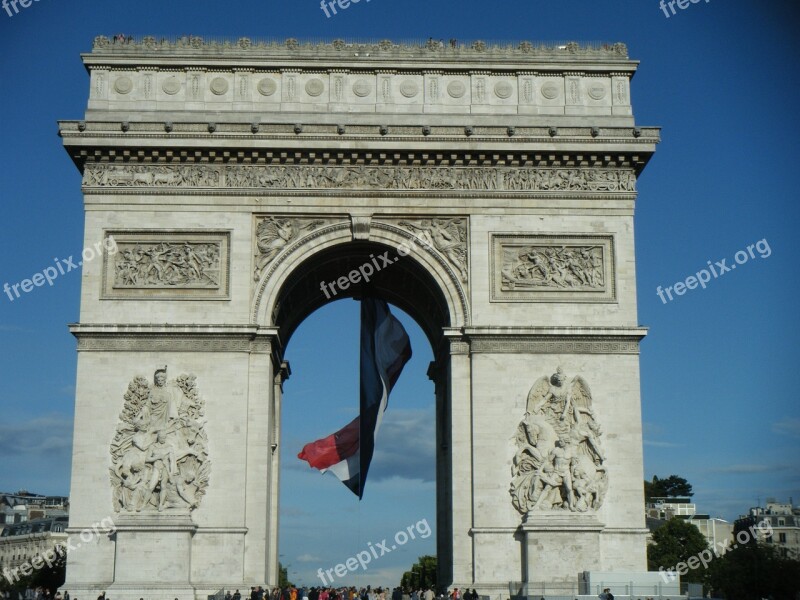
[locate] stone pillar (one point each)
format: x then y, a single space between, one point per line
461 483
273 494
258 504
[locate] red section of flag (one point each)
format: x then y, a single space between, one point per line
333 449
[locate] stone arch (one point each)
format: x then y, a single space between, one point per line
336 245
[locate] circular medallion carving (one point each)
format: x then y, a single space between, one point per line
171 86
550 90
597 91
362 88
123 85
267 87
219 85
456 89
315 87
409 88
503 90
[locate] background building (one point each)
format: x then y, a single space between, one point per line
785 522
661 510
22 542
24 506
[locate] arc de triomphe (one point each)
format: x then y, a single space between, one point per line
235 177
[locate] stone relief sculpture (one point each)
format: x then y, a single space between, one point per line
166 264
448 236
159 455
577 267
273 234
559 463
361 177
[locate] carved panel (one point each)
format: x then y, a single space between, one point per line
166 265
552 268
559 462
277 177
159 455
446 236
274 233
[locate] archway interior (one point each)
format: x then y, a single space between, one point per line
402 282
322 523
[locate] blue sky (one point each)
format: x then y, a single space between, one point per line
720 404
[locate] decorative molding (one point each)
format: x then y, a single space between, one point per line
195 45
167 265
172 338
545 344
552 268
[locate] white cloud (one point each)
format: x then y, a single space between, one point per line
789 426
51 434
308 558
656 444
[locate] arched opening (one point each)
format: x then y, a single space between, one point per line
425 306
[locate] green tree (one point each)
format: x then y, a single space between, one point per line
671 487
754 571
50 577
283 577
675 542
422 574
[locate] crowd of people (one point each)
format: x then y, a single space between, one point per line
289 593
351 593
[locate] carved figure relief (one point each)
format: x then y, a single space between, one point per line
362 177
164 264
559 462
551 267
273 234
447 236
167 264
159 455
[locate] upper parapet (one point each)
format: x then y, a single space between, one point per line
193 75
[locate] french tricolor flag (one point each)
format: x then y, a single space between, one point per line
385 349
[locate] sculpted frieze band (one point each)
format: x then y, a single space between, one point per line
279 177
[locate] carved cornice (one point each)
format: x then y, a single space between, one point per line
112 130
